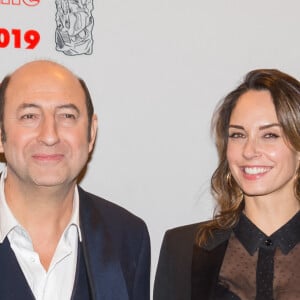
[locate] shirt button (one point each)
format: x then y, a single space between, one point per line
268 242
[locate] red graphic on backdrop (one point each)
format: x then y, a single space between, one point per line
19 39
16 37
20 2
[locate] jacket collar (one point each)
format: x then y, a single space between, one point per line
103 266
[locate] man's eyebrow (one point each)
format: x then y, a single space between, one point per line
28 105
34 105
69 106
260 127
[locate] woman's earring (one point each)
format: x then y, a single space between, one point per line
229 179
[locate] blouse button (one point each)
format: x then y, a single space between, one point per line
268 242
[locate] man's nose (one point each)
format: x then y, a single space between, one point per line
48 133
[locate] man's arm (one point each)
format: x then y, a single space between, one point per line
141 286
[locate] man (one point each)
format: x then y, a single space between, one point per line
56 240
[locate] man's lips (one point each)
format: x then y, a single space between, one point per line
48 157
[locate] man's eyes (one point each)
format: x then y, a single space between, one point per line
32 116
69 116
29 116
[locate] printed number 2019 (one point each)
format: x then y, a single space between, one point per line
30 37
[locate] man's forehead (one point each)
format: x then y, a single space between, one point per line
40 67
44 83
43 73
44 98
43 77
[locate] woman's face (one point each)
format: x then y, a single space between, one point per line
260 160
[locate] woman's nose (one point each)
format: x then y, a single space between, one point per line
251 148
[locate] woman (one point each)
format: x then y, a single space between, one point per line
250 249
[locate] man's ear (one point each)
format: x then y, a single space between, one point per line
1 143
93 132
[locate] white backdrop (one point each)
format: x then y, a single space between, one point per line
157 70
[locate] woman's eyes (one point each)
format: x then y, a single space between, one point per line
236 135
241 135
271 135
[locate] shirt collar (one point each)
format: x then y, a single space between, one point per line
253 238
75 213
8 222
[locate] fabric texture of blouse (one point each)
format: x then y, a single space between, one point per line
261 267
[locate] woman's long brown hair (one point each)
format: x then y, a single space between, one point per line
285 92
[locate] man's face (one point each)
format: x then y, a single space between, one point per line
45 122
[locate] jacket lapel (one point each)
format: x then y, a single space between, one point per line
13 284
206 264
103 266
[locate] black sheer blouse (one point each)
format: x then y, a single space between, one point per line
261 267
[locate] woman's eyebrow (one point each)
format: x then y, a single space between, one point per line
260 127
269 126
236 126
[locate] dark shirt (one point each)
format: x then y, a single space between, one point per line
261 267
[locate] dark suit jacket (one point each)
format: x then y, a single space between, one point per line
186 271
116 249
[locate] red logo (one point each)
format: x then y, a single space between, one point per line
20 2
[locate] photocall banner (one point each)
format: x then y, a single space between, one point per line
156 70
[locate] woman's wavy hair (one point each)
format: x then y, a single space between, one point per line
285 92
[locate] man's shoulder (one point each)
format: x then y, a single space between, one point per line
100 207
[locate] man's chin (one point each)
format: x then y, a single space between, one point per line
48 182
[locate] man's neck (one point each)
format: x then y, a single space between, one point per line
43 211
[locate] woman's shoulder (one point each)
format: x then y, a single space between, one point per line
173 273
186 234
182 235
185 230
